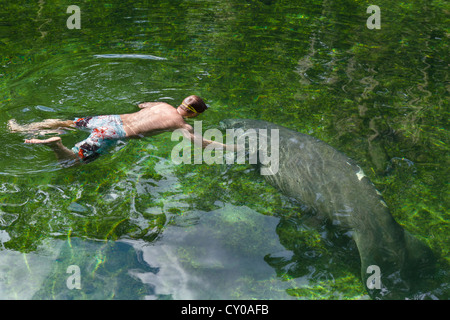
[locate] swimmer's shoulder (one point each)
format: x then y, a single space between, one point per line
157 104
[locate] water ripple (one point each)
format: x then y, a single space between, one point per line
129 56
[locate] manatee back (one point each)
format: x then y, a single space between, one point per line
332 184
320 176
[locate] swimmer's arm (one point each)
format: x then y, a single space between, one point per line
215 144
189 133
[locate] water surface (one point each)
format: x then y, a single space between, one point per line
140 227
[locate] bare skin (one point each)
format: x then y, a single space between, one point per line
153 118
62 153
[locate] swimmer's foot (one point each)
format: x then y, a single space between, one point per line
13 126
50 141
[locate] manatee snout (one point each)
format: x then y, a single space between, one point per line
228 123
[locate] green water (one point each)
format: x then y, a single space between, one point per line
139 226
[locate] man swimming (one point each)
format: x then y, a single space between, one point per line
152 119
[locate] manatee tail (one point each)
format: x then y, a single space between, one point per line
420 259
404 270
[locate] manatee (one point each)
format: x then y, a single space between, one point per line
335 188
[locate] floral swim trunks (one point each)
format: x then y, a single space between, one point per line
105 132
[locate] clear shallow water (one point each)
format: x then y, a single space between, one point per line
140 227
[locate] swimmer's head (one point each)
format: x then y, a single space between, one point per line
193 105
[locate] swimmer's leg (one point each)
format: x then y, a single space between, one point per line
63 154
46 124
